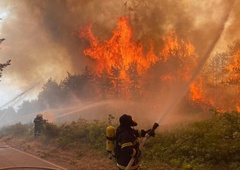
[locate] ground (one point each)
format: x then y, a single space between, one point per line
81 159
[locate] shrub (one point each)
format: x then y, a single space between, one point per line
15 130
51 130
73 134
209 143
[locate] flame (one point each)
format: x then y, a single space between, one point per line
179 56
180 60
198 97
196 91
238 108
120 51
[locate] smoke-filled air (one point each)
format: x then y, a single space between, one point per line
161 61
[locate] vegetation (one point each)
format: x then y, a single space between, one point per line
3 65
162 79
213 143
209 144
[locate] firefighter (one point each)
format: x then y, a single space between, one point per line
127 143
38 125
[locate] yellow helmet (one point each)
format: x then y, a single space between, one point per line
39 115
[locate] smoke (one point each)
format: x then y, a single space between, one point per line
41 40
196 21
232 33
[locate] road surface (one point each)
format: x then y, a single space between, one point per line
13 159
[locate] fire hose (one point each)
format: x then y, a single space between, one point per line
146 137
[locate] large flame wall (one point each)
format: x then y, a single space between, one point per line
42 36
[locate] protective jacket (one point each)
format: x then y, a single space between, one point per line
127 146
38 121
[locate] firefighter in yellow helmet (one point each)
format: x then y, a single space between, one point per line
127 143
38 124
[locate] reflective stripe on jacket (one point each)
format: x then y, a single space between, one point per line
127 139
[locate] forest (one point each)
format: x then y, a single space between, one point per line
127 70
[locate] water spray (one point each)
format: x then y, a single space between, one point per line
185 88
200 66
17 98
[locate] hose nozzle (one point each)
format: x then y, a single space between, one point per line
155 126
152 133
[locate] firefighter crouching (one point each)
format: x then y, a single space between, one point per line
127 143
38 124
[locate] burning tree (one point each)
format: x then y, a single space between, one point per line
178 61
120 55
233 70
215 79
222 79
125 68
178 58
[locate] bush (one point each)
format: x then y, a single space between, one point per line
200 145
15 130
73 134
51 130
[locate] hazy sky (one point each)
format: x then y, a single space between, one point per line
41 36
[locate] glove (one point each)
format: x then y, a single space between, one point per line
151 132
